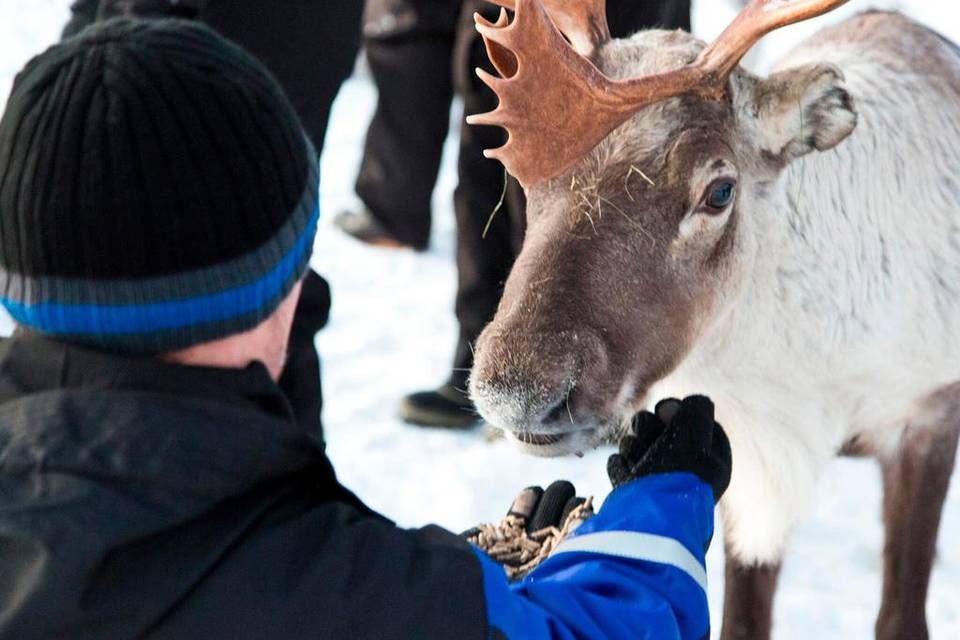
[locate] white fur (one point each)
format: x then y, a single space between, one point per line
841 314
848 317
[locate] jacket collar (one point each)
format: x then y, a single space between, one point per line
201 434
34 364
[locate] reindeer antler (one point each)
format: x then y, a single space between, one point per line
557 106
583 22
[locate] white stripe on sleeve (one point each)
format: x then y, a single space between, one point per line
638 546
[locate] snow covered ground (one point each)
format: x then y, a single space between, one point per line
392 331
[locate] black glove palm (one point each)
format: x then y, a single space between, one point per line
679 436
538 520
542 509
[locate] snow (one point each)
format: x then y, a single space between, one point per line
392 331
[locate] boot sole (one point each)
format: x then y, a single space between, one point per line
426 418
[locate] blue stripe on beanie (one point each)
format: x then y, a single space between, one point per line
55 318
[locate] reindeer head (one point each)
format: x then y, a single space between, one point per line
642 160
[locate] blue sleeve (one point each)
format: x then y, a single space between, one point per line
635 570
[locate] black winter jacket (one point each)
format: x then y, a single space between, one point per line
145 499
140 499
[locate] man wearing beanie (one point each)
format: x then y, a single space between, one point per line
291 39
158 202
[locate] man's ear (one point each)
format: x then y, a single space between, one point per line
802 109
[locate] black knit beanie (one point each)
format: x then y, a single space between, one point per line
156 189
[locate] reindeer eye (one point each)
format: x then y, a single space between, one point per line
719 195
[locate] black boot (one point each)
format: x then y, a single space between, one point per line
446 407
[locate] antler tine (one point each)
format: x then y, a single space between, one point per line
503 60
707 75
557 106
756 20
583 22
552 84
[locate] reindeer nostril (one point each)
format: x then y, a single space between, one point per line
557 412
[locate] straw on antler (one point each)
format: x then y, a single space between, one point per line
556 105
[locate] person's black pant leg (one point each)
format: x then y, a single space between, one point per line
301 377
405 139
626 17
311 48
487 236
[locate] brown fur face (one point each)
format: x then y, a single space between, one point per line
627 255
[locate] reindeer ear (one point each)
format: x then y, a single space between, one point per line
802 109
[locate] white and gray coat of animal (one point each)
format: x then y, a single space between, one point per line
844 323
836 315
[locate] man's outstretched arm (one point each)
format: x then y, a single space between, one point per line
636 569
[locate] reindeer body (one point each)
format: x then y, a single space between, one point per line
847 327
819 308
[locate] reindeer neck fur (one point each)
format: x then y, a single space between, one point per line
848 319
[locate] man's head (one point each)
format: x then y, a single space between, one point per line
157 196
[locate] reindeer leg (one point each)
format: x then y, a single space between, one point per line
748 600
915 483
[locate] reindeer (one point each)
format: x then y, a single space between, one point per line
788 245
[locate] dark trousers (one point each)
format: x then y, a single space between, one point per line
310 47
404 142
409 46
488 204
